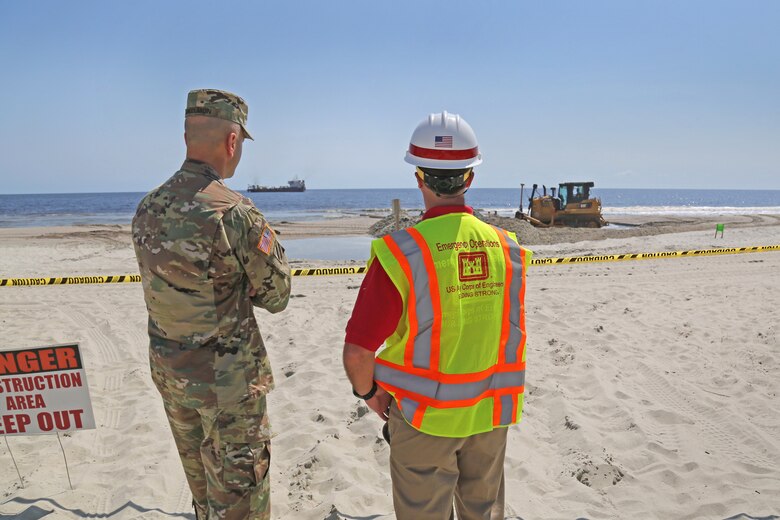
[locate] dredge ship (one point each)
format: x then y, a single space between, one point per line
294 185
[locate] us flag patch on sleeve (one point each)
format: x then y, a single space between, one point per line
267 238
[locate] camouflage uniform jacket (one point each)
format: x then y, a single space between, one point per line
201 247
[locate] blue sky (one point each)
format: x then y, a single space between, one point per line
654 94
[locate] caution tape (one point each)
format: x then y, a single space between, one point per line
332 271
646 256
128 278
328 271
71 280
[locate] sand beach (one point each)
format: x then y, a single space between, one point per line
652 385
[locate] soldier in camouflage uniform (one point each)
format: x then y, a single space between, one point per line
206 256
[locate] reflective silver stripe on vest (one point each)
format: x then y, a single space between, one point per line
506 410
422 297
447 391
409 408
515 335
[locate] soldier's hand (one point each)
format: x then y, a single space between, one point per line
380 403
252 291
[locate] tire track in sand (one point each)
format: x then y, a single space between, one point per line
97 333
742 444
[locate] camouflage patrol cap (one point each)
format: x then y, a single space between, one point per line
218 103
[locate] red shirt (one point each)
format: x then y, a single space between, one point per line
378 307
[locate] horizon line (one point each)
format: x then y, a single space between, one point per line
529 187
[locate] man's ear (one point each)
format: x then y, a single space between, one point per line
230 143
470 179
419 180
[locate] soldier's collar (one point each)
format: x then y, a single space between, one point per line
194 166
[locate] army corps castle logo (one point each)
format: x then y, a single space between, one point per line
472 266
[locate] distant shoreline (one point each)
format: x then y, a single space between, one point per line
630 226
315 205
341 222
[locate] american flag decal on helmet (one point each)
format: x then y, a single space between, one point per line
266 240
442 141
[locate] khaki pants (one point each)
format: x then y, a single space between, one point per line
428 472
226 455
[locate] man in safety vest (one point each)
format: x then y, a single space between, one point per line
446 296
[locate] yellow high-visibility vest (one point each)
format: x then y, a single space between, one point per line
456 361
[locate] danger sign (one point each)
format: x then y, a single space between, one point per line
44 390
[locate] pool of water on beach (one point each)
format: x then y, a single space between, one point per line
329 248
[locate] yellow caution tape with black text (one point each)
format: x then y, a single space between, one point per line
328 271
331 271
645 256
70 280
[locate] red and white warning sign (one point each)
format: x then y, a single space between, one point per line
44 390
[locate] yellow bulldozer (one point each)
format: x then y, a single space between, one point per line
572 206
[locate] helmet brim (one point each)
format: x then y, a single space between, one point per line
443 165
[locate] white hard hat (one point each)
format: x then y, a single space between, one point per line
443 141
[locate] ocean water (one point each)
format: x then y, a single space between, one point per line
118 208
